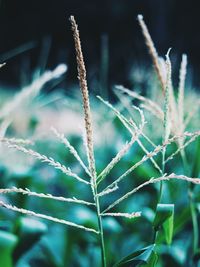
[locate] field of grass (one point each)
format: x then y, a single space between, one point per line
85 182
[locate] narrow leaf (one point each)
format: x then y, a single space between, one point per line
168 227
8 242
165 218
137 258
163 212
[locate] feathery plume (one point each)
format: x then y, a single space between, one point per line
182 76
167 125
31 91
86 103
152 51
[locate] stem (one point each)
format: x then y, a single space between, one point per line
166 125
194 221
155 233
160 191
163 171
88 128
100 228
192 206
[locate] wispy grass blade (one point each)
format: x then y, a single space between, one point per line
181 93
46 217
30 92
108 191
86 103
18 141
153 111
167 124
50 161
88 128
128 125
182 147
152 51
167 121
181 89
72 150
42 195
126 102
152 181
125 215
151 154
118 157
143 99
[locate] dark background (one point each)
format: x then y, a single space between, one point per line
37 26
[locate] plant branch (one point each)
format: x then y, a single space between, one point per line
152 181
43 158
42 195
43 216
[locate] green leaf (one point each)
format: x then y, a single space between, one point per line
142 256
29 232
196 160
165 218
152 260
168 227
8 242
55 251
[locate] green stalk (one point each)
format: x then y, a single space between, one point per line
155 233
192 206
163 171
194 221
100 228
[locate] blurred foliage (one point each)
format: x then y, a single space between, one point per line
161 237
29 242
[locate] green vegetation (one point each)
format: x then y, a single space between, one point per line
95 198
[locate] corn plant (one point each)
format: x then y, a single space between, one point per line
102 184
175 116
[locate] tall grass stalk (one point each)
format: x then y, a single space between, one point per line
166 118
182 77
88 126
168 115
152 51
176 117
